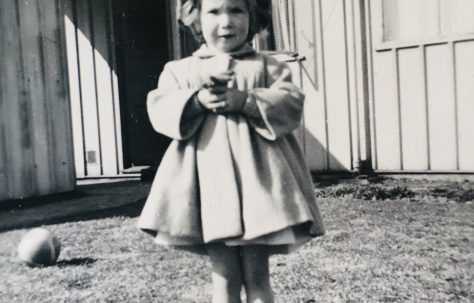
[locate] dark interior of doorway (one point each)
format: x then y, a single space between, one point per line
141 35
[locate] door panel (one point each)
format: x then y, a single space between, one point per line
441 108
412 106
465 103
386 112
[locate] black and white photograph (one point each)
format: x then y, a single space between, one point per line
227 151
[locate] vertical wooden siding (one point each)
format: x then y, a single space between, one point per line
422 95
328 35
464 89
307 39
35 130
94 88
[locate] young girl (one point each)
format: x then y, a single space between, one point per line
233 184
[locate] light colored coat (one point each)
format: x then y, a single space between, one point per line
229 176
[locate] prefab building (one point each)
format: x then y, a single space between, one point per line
36 155
389 85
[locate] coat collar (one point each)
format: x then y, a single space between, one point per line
204 52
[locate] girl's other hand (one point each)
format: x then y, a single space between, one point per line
235 100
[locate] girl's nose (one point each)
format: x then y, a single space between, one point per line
225 20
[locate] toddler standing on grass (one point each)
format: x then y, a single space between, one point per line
233 184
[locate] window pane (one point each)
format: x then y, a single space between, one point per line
457 16
410 20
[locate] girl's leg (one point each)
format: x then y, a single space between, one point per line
256 274
226 273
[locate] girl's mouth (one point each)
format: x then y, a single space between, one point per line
228 36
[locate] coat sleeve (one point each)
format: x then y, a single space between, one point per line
280 104
170 107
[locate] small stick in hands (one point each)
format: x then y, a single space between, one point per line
221 79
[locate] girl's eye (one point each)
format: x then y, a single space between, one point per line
213 11
237 10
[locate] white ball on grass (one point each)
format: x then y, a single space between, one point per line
39 247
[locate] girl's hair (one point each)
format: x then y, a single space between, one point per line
189 14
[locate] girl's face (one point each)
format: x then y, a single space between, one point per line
224 24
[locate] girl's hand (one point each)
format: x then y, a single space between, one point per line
222 100
212 98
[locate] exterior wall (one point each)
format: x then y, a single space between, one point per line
390 105
389 84
328 34
36 156
94 88
422 80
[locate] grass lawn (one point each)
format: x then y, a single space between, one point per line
387 241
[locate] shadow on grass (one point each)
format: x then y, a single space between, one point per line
81 192
41 200
75 262
129 210
86 202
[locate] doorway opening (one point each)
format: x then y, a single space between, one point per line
142 48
